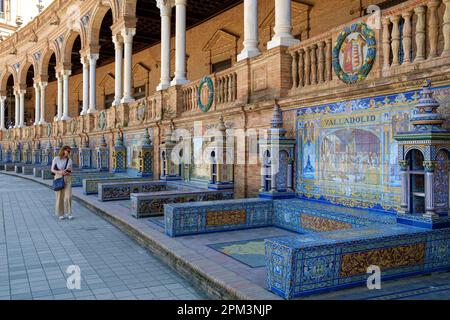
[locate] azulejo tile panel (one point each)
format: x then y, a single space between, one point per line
320 224
221 218
346 151
385 258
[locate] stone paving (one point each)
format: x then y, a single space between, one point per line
36 249
236 277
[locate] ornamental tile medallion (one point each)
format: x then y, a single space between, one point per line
205 94
354 53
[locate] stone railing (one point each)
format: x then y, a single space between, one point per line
224 86
410 36
312 62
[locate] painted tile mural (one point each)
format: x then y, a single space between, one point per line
347 154
132 141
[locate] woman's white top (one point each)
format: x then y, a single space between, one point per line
60 163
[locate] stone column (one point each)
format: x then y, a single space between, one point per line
386 43
395 40
22 108
283 26
165 8
294 69
66 74
430 210
407 36
251 38
404 187
43 86
2 112
301 68
60 100
446 29
321 65
433 27
93 83
180 44
128 35
420 33
37 103
17 109
118 46
85 63
313 64
308 66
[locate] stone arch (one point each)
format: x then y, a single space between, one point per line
69 42
97 18
25 65
4 79
43 71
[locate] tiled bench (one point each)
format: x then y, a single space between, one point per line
152 204
10 167
18 168
91 186
329 261
37 170
79 176
122 191
2 167
195 218
27 170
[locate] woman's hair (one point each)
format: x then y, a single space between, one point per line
61 152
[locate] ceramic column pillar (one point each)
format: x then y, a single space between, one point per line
37 103
2 112
128 35
43 86
180 44
404 186
118 46
283 26
17 109
166 13
430 210
60 101
251 39
290 172
22 108
93 83
66 74
85 63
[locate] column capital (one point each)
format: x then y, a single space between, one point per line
93 57
84 60
117 39
66 73
419 10
180 2
43 84
128 34
3 99
165 6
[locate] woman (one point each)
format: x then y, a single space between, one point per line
62 167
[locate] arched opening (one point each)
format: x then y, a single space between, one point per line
77 68
51 73
416 179
10 104
107 52
29 115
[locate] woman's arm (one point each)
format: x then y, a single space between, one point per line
55 168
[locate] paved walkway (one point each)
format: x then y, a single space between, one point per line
36 249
